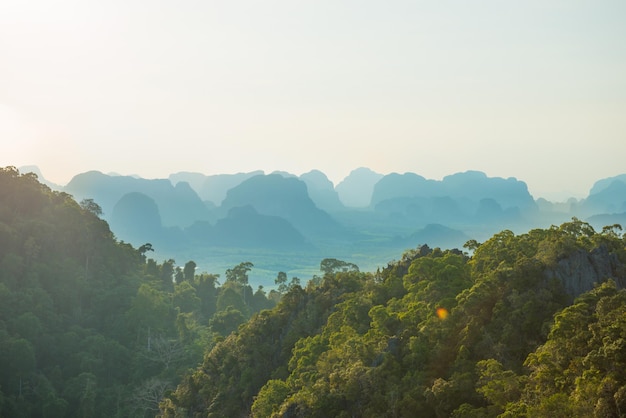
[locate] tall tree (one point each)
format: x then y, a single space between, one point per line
189 271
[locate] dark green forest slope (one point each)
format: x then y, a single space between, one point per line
528 325
89 326
436 334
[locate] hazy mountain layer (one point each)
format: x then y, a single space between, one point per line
178 205
356 189
288 198
365 215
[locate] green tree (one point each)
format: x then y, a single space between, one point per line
185 298
331 266
281 282
499 386
152 310
207 291
81 391
189 271
167 273
239 273
17 361
226 321
269 399
179 276
91 206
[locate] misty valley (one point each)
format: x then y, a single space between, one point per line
282 222
276 295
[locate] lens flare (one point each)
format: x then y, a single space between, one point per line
442 313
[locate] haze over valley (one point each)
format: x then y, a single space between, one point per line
283 222
312 209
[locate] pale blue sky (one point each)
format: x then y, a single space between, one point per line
534 89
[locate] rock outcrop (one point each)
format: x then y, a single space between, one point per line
582 270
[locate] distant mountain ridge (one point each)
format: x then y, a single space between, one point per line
285 197
245 227
178 205
602 184
608 197
213 187
365 213
321 191
356 189
470 185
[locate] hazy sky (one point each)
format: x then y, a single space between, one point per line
528 89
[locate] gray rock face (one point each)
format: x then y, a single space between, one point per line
581 270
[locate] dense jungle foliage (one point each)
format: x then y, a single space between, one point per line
527 325
436 334
91 327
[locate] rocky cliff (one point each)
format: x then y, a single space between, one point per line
582 270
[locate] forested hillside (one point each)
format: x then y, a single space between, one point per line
91 327
528 325
435 334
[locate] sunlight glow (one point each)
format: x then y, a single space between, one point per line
442 313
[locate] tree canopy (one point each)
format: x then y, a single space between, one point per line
89 326
526 325
438 333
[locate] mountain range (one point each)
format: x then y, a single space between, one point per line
362 217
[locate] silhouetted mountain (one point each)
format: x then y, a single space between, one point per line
472 186
563 207
356 189
244 227
283 173
475 185
183 208
212 188
396 185
602 184
600 221
215 187
490 212
459 199
609 199
284 197
321 191
196 209
34 169
136 219
195 180
424 210
178 205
